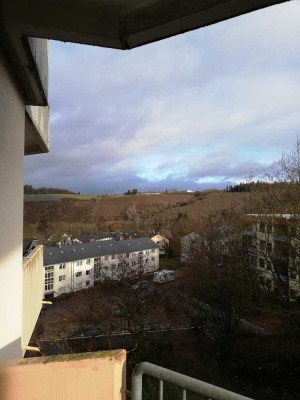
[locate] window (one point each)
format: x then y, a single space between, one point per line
262 245
79 262
49 286
252 261
269 228
97 271
262 263
49 277
88 261
78 274
62 278
269 246
127 255
293 273
113 257
152 259
262 227
87 283
88 272
62 266
106 257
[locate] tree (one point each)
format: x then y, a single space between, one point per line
129 212
276 222
44 228
220 290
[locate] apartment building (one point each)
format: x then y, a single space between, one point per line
273 248
74 267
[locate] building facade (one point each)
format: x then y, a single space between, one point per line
78 266
272 243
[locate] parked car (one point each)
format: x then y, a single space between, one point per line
140 285
166 275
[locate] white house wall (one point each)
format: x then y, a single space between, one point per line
111 268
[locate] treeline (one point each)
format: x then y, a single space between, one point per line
247 187
28 189
129 192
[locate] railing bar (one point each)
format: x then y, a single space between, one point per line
183 394
161 390
184 381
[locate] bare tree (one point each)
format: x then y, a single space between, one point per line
220 289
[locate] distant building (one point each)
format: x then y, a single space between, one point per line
79 266
163 243
188 245
272 243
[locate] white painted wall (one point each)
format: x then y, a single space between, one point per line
110 269
71 282
12 126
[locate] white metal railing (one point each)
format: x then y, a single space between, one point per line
185 382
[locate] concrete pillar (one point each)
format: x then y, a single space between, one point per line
12 128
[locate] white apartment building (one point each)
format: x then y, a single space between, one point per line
273 248
75 267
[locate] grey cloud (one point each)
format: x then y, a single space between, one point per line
224 91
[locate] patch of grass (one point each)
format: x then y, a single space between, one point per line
170 263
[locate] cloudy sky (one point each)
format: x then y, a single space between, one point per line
200 110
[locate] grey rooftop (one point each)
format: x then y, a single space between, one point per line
81 251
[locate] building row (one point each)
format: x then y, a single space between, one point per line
78 266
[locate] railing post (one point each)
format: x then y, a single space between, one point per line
137 383
161 390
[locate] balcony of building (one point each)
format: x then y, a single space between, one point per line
33 291
99 375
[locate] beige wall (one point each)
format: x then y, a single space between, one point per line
12 125
86 376
33 291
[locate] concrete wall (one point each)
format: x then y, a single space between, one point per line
33 291
39 50
86 376
12 125
36 130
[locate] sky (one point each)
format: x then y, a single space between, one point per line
205 109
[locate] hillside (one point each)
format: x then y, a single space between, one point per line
76 214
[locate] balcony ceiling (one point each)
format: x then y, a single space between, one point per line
120 24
